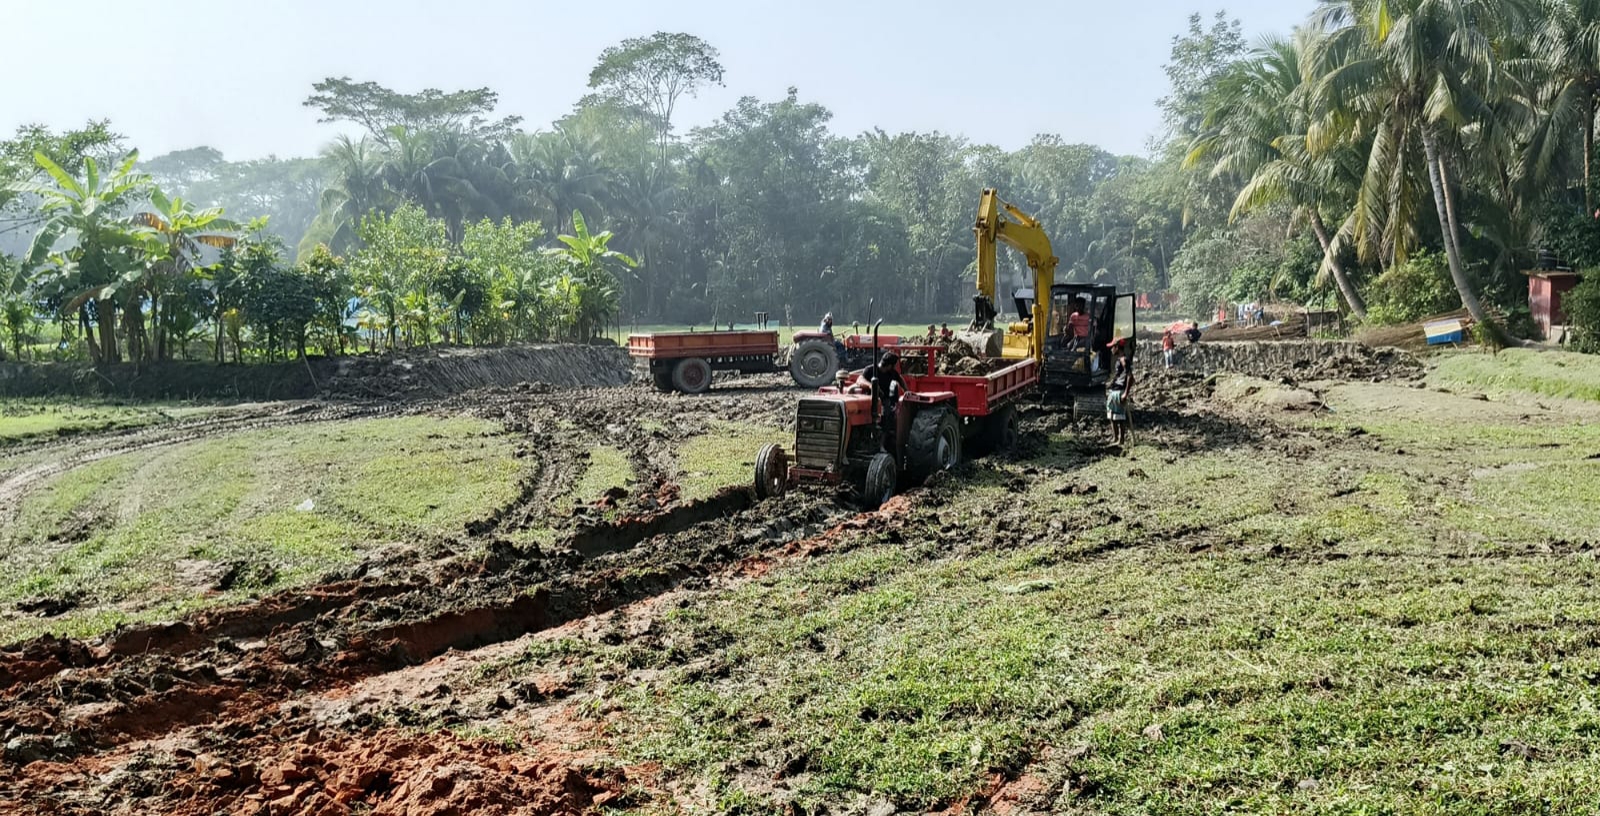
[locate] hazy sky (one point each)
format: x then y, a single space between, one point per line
233 75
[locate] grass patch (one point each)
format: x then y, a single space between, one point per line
22 419
608 468
1552 373
724 456
278 507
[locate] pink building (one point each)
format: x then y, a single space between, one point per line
1545 288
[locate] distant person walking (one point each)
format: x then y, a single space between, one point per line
1169 348
1193 333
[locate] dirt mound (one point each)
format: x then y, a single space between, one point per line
956 357
454 371
1293 360
1361 363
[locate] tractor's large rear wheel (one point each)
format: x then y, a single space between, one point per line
691 376
934 443
662 380
772 472
883 477
814 363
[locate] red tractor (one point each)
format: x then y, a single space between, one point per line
839 438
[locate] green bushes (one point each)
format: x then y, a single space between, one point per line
1412 290
1582 305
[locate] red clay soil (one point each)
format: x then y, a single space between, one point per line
389 772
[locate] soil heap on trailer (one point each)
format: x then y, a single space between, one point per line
941 418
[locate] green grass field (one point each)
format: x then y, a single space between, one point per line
1402 623
1547 373
138 536
22 419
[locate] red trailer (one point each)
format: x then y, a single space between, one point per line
839 438
683 361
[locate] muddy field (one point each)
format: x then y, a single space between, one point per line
457 673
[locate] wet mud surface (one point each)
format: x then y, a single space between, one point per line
338 698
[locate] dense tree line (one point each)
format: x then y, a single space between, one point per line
1422 151
1397 158
443 222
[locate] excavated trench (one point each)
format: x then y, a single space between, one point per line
67 701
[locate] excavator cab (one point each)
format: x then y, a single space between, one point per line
1085 318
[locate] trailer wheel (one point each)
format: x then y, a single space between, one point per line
772 472
999 432
934 443
662 380
814 363
882 479
691 376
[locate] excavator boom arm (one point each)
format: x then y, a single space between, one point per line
1023 233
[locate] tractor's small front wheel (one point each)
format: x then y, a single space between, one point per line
772 472
883 476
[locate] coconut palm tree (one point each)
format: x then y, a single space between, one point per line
1564 58
1414 72
560 172
1257 133
358 167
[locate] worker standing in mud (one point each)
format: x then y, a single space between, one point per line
1118 392
1169 347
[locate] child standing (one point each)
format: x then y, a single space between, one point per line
1169 348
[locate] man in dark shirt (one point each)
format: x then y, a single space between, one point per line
1193 333
889 385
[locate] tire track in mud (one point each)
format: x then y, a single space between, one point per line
232 671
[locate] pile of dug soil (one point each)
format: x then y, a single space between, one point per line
956 357
1372 364
391 771
454 371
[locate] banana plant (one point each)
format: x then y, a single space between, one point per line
590 260
85 231
182 234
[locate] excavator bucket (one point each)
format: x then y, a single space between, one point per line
988 343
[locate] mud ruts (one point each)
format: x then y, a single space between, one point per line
1295 359
411 374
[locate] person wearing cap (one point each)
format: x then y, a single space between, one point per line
890 386
1118 391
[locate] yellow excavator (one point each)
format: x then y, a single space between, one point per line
1076 369
1023 233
